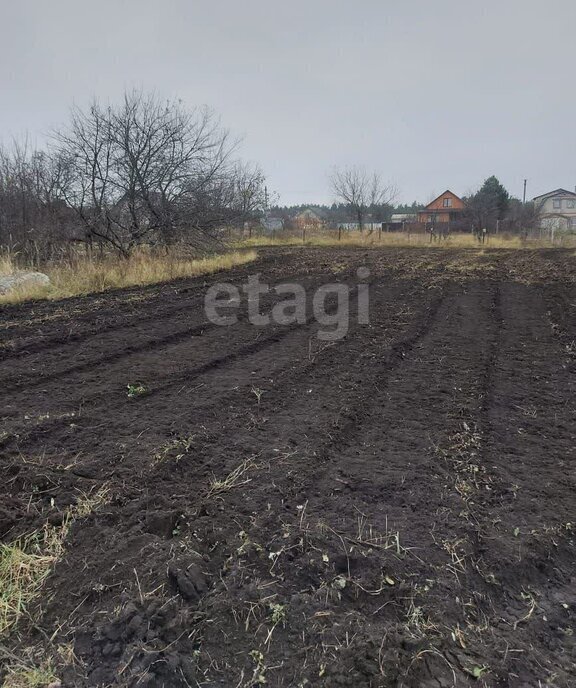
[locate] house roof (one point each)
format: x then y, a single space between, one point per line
556 192
439 197
320 214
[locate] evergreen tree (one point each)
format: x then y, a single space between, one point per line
495 194
488 205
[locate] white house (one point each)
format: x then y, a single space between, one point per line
557 210
272 224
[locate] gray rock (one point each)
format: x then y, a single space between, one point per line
18 279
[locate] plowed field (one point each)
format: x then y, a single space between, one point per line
395 508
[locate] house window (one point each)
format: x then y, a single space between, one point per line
557 203
572 223
447 202
571 204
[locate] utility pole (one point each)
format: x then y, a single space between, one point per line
524 197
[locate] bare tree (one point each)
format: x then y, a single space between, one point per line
523 218
249 200
32 213
145 171
128 168
236 194
360 190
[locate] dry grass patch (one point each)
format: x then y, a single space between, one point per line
26 563
24 566
21 676
234 479
7 266
86 276
399 239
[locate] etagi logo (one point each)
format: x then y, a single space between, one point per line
331 304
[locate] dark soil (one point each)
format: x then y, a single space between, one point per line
403 509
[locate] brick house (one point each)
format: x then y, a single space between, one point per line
447 209
310 218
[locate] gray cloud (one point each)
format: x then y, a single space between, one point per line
433 95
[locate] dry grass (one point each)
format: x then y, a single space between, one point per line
26 563
20 676
233 479
7 266
85 276
400 239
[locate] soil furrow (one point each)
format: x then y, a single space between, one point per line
391 509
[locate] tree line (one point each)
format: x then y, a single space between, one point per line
144 171
362 197
151 171
492 207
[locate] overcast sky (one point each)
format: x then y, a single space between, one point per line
434 95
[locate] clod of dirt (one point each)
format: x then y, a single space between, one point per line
162 523
188 579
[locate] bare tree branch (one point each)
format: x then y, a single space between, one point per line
360 190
